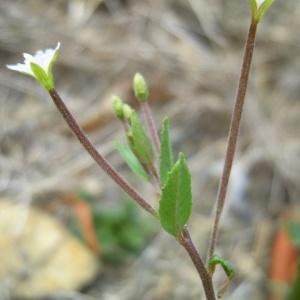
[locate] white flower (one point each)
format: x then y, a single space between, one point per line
38 66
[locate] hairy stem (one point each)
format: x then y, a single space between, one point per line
206 279
94 153
233 134
151 126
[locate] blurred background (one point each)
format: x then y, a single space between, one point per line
66 231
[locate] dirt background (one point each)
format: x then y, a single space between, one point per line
190 52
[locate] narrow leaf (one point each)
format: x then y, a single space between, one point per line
263 9
225 264
176 198
166 155
139 141
132 162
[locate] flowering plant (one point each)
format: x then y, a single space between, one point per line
150 155
39 66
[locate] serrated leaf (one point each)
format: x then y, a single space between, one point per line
263 9
131 160
225 264
176 198
139 141
166 155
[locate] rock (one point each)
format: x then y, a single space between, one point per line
38 255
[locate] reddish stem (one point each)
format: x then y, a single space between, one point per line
151 126
94 153
233 133
206 279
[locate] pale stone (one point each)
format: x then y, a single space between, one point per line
38 256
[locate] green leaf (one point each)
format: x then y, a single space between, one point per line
139 141
263 9
225 264
176 198
166 155
131 160
42 77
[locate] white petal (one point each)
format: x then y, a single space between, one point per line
23 68
44 58
28 57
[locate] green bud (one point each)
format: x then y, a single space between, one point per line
140 88
127 111
117 105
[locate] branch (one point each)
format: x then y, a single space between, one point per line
206 279
233 134
94 153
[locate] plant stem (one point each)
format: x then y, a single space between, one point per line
233 133
206 279
94 153
151 126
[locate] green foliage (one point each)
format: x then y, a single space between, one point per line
166 155
131 160
225 264
140 88
294 293
176 198
122 231
139 141
294 232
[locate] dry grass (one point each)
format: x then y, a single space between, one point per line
190 52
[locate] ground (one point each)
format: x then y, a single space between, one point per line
190 53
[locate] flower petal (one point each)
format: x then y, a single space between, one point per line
22 68
28 57
45 58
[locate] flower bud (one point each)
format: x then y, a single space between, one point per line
140 88
117 105
127 111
